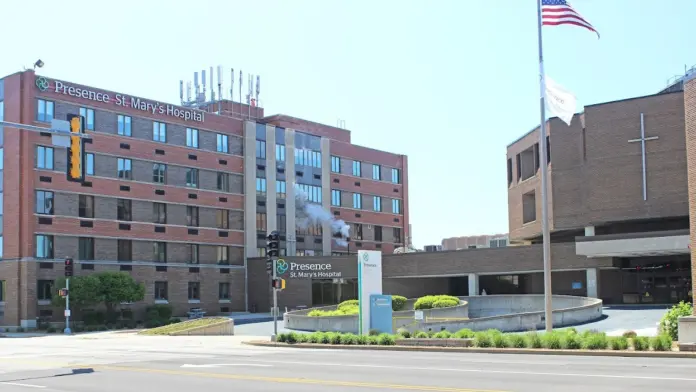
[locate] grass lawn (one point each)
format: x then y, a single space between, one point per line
183 326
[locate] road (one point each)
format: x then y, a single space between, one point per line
114 363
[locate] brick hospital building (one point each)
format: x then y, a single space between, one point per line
177 197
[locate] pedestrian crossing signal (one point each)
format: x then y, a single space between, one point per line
76 151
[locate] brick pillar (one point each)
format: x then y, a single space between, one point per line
690 125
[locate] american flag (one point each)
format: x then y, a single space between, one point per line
559 12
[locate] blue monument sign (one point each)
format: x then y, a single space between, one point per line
381 313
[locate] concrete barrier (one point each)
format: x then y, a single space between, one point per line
507 313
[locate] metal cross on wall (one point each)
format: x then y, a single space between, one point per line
642 141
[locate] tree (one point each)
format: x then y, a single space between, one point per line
84 292
118 287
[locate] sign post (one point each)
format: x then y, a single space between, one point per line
68 273
369 283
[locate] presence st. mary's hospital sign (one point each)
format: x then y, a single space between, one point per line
120 100
301 270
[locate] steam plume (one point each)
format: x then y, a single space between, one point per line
307 214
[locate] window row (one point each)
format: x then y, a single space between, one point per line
160 172
357 203
365 232
46 288
357 171
45 112
303 157
45 204
125 250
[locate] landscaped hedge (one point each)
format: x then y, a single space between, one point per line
435 301
351 307
669 324
568 339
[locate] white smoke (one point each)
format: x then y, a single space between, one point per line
307 214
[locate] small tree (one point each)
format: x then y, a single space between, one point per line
84 292
118 287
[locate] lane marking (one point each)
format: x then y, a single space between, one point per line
214 365
284 380
17 384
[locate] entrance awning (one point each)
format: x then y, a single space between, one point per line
634 244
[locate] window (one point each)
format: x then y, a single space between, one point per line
260 186
159 132
313 192
161 291
357 168
44 290
89 164
280 189
125 168
192 178
357 200
159 213
312 229
307 158
191 137
396 176
2 290
396 206
509 171
124 210
281 222
261 252
397 235
261 221
222 143
193 254
44 157
44 110
159 252
85 248
194 291
159 171
44 246
358 231
335 164
124 250
223 219
223 182
376 172
378 233
224 291
191 216
124 125
223 255
44 202
85 206
260 149
88 115
280 153
377 203
529 207
335 197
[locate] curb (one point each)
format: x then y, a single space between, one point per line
589 353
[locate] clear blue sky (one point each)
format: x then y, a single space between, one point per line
448 82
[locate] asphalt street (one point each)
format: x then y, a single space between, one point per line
132 363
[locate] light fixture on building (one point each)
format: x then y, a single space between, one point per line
38 64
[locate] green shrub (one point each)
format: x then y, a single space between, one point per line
314 337
398 302
641 343
372 340
596 341
669 324
551 341
51 329
386 340
324 338
571 341
516 341
499 340
482 339
464 333
373 332
93 318
629 334
160 311
571 330
403 333
348 304
335 338
291 338
443 335
422 335
618 343
445 303
362 340
662 342
428 301
533 340
282 338
349 339
302 338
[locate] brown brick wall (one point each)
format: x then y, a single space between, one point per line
690 125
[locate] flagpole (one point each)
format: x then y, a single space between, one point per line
548 312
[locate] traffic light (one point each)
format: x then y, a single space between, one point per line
68 267
273 244
278 284
76 151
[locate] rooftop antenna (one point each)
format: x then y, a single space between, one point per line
240 93
212 86
219 75
181 91
251 89
258 90
203 95
188 91
232 85
195 84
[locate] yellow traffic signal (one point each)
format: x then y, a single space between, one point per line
76 150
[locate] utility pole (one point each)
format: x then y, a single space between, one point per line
68 274
272 251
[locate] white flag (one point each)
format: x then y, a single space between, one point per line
560 101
